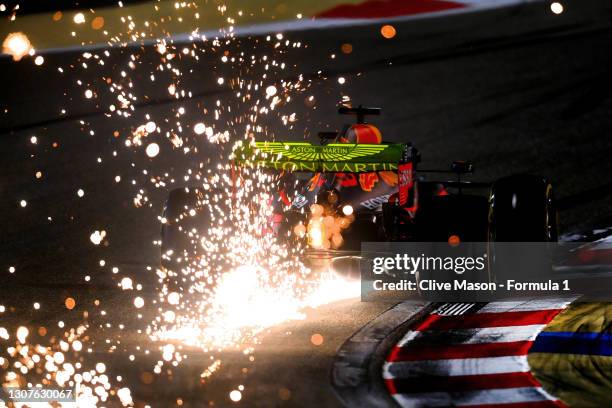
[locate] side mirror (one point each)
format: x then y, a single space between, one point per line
462 166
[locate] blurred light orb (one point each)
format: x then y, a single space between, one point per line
235 395
199 128
174 298
556 7
316 339
138 302
347 210
317 210
79 18
388 31
17 45
97 237
271 90
125 396
150 127
300 230
97 23
346 48
126 283
152 149
22 334
39 60
70 303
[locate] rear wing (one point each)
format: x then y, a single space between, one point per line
333 157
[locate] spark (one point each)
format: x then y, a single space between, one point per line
271 90
70 303
79 18
152 150
168 352
174 298
169 316
199 128
22 334
125 396
235 395
150 127
97 237
237 279
138 302
126 283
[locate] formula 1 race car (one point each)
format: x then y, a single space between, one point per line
354 187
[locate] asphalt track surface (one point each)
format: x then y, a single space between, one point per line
514 90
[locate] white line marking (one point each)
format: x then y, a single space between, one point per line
476 336
454 367
443 399
527 305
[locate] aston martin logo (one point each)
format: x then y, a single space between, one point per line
331 152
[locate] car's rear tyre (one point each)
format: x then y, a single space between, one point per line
522 210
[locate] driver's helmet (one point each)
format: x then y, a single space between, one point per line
362 133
